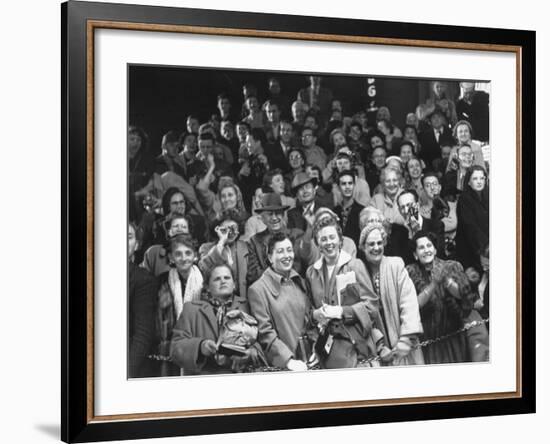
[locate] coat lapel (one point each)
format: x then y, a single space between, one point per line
388 297
208 314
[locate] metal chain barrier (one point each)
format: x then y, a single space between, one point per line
367 362
363 362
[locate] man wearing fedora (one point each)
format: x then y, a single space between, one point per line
304 187
272 212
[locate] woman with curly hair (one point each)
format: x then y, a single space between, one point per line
445 298
278 300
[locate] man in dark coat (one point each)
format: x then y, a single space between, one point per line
142 306
348 211
474 108
435 137
277 152
407 202
304 187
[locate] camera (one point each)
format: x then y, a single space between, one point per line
413 211
230 231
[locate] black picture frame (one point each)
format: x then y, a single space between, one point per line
77 422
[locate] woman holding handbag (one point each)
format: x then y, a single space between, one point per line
215 334
344 308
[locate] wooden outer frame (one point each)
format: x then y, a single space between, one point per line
79 20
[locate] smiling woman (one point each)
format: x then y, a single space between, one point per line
278 301
181 284
389 281
344 308
445 298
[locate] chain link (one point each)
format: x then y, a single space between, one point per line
363 362
466 327
160 358
367 362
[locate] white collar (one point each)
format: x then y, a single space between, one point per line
344 258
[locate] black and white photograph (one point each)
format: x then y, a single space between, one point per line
304 221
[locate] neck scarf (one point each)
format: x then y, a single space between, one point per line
193 288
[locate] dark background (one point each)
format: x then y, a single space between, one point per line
161 98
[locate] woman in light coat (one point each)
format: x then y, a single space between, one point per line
279 302
344 307
388 279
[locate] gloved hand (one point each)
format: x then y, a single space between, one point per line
332 311
208 348
403 347
473 275
251 357
164 297
296 366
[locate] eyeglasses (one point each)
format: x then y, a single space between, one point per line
431 184
177 202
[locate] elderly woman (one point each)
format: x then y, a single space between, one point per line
278 301
462 132
199 341
472 233
397 299
183 283
397 242
445 298
345 308
391 183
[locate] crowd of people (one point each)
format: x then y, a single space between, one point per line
294 234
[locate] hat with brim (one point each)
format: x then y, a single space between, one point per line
271 202
301 179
